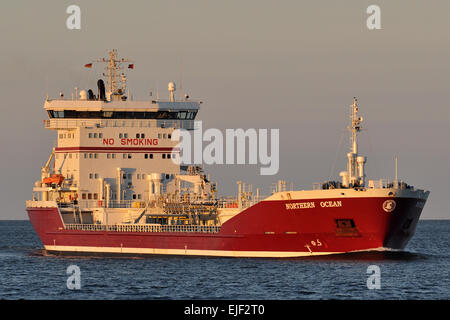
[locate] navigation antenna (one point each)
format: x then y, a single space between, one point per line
116 80
355 125
355 166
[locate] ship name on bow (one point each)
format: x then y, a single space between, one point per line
312 205
300 205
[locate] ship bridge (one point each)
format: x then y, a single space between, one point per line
65 114
150 109
111 103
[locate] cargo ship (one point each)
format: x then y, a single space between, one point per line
111 186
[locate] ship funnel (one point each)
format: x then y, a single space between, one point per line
101 90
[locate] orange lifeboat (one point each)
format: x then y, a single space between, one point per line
56 179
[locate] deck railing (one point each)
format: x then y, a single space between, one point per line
137 123
371 184
143 228
91 204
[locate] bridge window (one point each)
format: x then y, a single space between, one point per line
73 114
182 115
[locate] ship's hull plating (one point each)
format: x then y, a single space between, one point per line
276 228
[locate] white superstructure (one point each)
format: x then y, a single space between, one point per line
113 159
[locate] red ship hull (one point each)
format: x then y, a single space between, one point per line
268 229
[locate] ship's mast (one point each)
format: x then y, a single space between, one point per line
113 74
355 175
355 125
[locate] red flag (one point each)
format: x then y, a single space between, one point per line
131 66
89 65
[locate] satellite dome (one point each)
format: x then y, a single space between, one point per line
83 95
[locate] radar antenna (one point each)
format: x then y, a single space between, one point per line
355 174
355 125
116 80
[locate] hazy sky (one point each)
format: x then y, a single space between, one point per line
292 65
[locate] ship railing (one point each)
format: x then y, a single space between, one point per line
136 204
86 227
317 186
227 203
388 184
143 228
89 204
371 184
40 204
138 123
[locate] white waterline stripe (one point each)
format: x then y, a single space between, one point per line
192 252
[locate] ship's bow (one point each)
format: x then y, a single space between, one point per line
405 214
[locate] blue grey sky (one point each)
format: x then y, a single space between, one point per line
292 65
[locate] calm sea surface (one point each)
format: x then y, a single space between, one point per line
422 271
